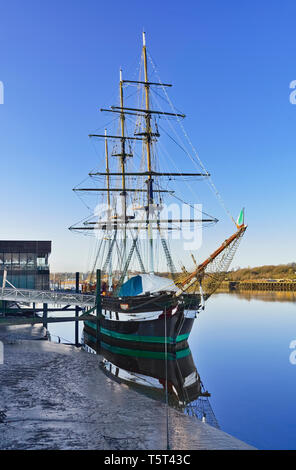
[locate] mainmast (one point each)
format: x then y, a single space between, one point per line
148 116
148 151
123 156
107 173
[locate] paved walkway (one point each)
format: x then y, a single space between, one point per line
55 396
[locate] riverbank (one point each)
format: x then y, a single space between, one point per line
265 296
55 396
258 285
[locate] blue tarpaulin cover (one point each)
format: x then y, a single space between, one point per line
131 287
146 283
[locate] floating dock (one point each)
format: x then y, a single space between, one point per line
55 396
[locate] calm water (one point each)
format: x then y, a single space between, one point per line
240 345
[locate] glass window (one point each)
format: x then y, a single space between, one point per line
31 259
30 282
7 258
13 280
15 257
40 261
23 259
22 281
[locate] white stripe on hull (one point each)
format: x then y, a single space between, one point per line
145 316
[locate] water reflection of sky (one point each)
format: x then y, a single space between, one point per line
241 349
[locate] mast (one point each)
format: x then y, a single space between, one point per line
148 152
109 211
107 171
122 162
147 118
122 118
121 221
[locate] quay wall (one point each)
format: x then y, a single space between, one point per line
287 286
55 396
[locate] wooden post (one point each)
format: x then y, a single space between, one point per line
98 308
45 307
77 312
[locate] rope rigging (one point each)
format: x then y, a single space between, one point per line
130 193
210 181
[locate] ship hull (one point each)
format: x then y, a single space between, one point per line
169 332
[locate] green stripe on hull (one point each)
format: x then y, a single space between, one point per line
144 339
147 354
92 338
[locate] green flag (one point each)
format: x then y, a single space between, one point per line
241 218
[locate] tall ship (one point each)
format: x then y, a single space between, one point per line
147 295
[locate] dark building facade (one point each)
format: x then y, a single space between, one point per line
26 263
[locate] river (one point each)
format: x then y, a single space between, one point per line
241 349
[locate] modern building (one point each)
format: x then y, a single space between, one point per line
26 263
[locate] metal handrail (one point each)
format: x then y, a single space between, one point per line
49 297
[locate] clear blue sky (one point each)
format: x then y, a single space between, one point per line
231 64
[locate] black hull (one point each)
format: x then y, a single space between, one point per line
170 331
150 303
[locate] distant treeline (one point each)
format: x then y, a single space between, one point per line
66 276
280 271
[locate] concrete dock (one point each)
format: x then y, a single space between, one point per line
55 396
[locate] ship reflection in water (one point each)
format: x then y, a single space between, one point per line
146 372
266 296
